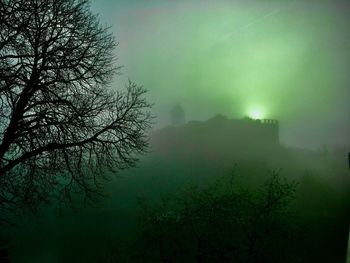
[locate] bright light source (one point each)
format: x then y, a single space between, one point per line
256 113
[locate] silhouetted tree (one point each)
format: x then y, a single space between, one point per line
222 223
61 124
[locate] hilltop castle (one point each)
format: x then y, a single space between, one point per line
251 131
219 135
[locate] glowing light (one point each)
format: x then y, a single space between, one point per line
256 113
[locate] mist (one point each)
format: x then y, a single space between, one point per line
285 59
245 160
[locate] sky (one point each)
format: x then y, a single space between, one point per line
287 60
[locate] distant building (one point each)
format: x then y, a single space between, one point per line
257 131
240 138
177 115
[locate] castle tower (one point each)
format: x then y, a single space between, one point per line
177 115
272 128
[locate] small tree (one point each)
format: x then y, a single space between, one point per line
61 124
222 223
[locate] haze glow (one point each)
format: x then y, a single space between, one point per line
224 56
256 113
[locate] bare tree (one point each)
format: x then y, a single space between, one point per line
61 124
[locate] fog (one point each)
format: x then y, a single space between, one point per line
288 60
250 92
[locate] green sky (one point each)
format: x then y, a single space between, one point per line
287 60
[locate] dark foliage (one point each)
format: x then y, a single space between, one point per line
61 124
223 223
4 250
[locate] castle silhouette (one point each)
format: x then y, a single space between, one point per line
243 138
206 149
